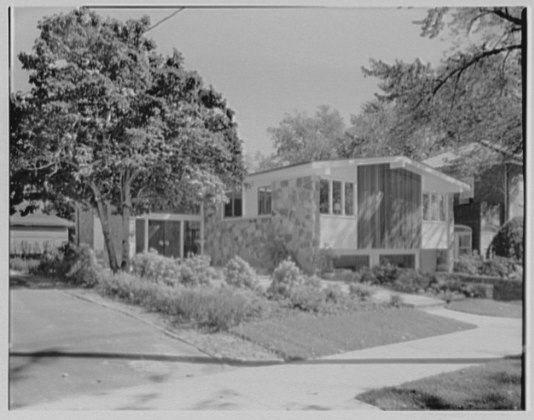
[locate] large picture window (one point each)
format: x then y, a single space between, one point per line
234 206
341 199
264 200
434 207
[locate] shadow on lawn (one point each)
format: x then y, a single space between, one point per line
36 355
25 281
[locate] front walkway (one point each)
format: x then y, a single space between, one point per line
327 383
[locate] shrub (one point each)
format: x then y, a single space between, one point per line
468 264
396 301
155 267
334 293
412 281
361 291
50 263
494 268
216 309
382 274
238 273
479 290
82 266
508 290
196 271
307 298
368 276
70 263
192 271
286 276
509 240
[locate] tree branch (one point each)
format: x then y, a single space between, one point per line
473 61
507 16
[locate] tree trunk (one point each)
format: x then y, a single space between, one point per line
103 215
126 211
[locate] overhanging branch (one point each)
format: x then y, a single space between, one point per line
472 62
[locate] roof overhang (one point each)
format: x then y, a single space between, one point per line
433 180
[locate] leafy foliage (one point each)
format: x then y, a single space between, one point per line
285 277
473 96
111 123
509 240
300 138
215 309
70 263
361 291
193 271
239 273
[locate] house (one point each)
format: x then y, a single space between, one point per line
496 195
34 233
361 211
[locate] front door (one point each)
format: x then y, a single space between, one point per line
164 237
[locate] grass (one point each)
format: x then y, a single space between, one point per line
491 386
297 336
488 307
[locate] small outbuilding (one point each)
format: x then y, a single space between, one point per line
34 233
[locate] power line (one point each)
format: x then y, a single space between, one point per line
165 18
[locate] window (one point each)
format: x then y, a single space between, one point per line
264 200
340 201
336 197
324 196
434 207
233 208
349 198
398 260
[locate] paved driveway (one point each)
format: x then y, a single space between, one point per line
62 346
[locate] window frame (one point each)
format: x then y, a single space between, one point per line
329 193
233 197
434 207
265 200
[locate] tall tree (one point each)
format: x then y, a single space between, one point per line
111 123
300 138
473 96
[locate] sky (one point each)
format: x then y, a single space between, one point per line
271 62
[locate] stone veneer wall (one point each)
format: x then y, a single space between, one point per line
294 224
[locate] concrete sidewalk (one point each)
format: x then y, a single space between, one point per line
328 383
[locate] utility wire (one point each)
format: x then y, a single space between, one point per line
165 18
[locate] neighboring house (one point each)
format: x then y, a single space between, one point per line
496 196
363 211
34 233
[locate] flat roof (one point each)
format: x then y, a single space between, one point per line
401 161
39 220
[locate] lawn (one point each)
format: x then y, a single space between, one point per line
297 336
488 307
491 386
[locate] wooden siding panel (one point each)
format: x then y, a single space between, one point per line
389 208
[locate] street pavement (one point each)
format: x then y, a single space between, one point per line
329 383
